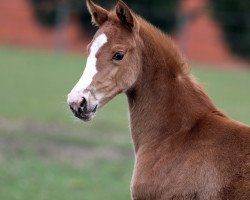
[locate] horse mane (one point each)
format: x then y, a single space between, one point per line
166 43
175 62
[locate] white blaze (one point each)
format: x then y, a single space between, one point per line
90 69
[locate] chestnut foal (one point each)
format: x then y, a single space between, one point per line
184 147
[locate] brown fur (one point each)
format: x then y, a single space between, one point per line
184 147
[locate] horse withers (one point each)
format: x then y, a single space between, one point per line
185 148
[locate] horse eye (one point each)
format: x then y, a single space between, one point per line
118 56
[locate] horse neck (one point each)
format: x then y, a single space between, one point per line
165 99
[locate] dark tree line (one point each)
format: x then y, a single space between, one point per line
233 16
46 11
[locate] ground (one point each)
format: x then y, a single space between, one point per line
47 154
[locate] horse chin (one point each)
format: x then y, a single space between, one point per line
87 117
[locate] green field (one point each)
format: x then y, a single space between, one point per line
47 154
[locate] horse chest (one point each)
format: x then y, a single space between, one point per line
174 180
151 183
157 188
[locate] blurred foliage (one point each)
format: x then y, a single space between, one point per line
50 12
160 13
234 17
45 11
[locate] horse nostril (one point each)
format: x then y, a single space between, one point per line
83 106
83 103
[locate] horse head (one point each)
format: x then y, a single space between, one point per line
113 63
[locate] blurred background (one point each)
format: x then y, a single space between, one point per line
47 154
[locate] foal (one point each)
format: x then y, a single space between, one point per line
184 147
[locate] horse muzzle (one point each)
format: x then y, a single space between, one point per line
81 106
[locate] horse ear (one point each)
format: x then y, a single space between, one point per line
126 16
99 15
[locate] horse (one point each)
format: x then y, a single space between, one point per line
184 147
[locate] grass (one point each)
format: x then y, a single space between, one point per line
46 154
46 166
30 178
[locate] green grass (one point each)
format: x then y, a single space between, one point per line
47 166
29 178
45 154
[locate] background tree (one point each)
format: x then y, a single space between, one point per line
234 17
46 12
